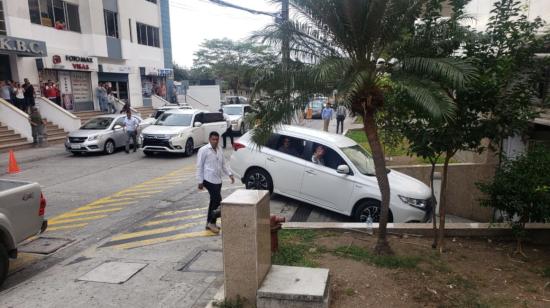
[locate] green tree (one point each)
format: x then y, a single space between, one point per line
497 105
335 44
521 189
232 61
180 73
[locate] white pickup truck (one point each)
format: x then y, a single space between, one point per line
22 209
181 131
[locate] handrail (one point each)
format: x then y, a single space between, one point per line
59 108
12 107
196 100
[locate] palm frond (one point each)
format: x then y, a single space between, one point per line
457 72
426 96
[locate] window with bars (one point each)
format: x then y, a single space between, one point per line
2 19
58 14
111 23
148 35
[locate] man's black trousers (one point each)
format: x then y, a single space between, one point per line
214 190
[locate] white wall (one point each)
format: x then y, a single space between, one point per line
205 97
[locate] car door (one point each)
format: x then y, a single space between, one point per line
286 168
322 185
213 122
118 134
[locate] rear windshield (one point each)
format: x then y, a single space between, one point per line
174 119
98 123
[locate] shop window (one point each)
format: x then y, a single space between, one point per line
111 23
148 35
55 13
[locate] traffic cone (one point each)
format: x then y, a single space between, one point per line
12 165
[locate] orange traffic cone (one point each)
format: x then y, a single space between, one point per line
12 165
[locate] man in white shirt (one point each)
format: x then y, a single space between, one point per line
211 167
131 125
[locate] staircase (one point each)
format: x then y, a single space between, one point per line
55 134
86 115
145 111
10 140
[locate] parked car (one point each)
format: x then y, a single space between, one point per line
345 184
236 114
160 110
22 209
230 100
181 131
100 134
317 106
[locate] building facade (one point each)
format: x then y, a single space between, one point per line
79 43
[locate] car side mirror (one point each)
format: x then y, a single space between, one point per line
343 169
117 126
197 124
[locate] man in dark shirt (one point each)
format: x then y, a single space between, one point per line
37 126
287 148
28 93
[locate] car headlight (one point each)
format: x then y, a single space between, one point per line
418 203
92 138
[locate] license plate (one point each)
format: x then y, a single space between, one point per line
76 146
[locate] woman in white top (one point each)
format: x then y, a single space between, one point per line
19 96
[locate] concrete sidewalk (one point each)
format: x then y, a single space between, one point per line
31 155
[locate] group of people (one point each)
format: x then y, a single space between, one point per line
19 94
105 95
327 114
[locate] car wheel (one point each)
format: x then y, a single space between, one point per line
147 153
189 147
4 263
259 179
109 147
366 208
243 129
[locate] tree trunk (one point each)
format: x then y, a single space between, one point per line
443 204
434 216
382 246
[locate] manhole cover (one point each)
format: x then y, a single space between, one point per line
113 272
44 245
205 261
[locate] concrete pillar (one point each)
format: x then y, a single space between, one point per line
246 243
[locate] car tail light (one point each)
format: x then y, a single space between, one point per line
42 209
238 145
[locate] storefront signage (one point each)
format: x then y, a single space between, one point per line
114 68
71 63
155 71
22 47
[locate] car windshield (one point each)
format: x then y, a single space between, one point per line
317 104
360 158
232 110
174 119
159 113
98 123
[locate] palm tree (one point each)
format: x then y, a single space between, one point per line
335 44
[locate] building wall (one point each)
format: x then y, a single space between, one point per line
92 41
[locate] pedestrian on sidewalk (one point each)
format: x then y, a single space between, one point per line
101 93
326 115
341 113
37 127
229 131
131 125
5 91
211 167
111 102
28 93
19 97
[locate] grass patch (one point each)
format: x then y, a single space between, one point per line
296 248
360 137
358 120
349 292
361 254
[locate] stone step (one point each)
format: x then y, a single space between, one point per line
12 138
7 133
15 146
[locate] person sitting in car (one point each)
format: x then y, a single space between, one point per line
318 155
287 148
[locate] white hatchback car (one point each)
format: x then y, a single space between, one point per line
342 179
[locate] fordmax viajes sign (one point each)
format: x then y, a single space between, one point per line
22 47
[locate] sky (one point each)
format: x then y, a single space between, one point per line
193 21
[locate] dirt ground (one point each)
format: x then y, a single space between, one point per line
472 273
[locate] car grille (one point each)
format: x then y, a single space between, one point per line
156 142
77 139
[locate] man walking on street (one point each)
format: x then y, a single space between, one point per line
37 127
211 167
131 125
340 117
326 115
28 94
228 131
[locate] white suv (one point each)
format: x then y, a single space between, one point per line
330 171
236 114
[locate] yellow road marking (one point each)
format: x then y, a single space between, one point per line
94 207
162 221
67 227
139 193
170 213
23 259
82 213
155 231
164 239
59 221
141 189
109 200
